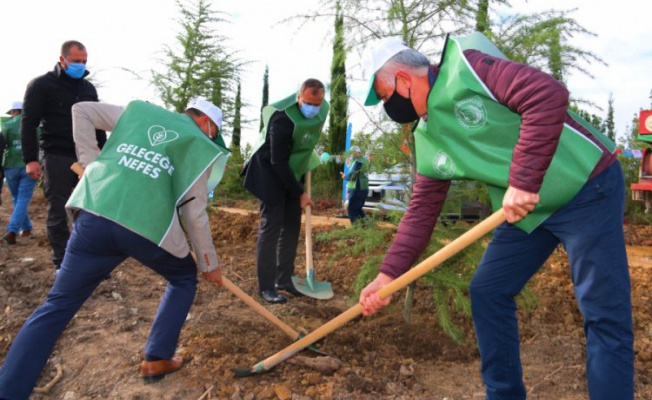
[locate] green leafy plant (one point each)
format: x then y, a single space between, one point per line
449 281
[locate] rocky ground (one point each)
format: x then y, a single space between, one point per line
379 357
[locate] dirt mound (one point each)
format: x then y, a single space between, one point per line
381 357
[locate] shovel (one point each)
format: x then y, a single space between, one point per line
309 286
399 283
239 293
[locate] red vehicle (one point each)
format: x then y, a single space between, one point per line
643 189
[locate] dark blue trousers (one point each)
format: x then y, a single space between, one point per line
59 182
590 228
357 198
95 248
278 238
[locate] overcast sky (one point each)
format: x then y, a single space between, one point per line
131 34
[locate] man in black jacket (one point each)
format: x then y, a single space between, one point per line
48 102
274 172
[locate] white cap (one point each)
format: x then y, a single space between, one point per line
211 110
355 149
16 105
375 57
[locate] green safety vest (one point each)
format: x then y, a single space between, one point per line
151 159
470 135
305 136
361 174
12 156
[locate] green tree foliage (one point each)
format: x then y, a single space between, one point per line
265 95
338 119
237 128
555 62
198 64
482 22
448 281
593 119
609 124
543 40
231 186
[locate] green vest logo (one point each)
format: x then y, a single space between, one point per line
471 113
157 134
443 165
306 138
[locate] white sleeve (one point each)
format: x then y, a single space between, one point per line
195 220
87 116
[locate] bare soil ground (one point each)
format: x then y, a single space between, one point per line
382 357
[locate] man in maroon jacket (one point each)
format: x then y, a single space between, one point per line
507 124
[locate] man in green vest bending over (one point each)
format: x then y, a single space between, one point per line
283 154
485 118
153 172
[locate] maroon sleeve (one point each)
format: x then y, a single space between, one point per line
540 100
416 226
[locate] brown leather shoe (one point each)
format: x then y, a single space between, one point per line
10 238
154 371
25 233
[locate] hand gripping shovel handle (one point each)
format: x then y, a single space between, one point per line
399 283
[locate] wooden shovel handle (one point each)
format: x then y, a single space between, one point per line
259 308
255 305
309 262
399 283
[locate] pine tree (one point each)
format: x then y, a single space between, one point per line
237 128
482 23
338 120
197 64
609 124
265 95
555 63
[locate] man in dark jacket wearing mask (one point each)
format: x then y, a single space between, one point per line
48 102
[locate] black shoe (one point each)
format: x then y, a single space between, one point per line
273 297
289 287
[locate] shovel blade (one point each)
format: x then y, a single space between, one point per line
315 289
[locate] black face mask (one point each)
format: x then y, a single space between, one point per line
399 108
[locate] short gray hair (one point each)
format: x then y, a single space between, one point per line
410 60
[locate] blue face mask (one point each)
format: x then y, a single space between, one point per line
76 70
309 111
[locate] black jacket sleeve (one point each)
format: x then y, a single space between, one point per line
33 109
281 129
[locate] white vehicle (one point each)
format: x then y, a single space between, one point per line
387 191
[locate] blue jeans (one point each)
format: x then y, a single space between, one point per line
590 228
21 187
95 248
